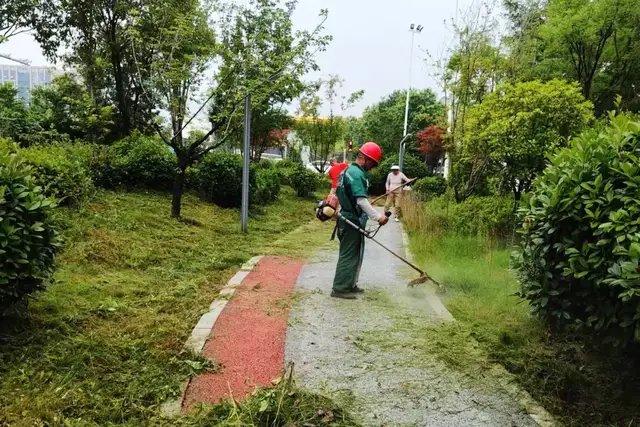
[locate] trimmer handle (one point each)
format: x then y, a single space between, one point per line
387 214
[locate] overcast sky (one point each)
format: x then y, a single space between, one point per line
370 47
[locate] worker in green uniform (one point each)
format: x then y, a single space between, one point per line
352 191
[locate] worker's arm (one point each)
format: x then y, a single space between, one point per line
387 185
373 214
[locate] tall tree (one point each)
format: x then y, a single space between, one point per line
323 134
514 129
258 54
597 43
16 16
383 122
66 107
94 35
269 129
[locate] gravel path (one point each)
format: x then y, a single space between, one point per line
367 354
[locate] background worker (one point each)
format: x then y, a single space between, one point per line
335 169
352 191
395 179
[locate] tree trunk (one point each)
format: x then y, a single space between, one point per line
178 190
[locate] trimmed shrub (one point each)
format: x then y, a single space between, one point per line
430 186
578 261
267 186
61 171
218 179
28 240
285 168
304 181
136 162
413 168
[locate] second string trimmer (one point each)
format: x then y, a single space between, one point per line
424 277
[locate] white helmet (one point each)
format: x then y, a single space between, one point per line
395 168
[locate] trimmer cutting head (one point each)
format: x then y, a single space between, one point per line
418 281
423 278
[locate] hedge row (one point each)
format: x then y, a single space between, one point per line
70 172
579 256
28 240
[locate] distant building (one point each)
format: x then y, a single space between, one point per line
25 77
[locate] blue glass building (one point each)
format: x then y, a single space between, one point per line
25 78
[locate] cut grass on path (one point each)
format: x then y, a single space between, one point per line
578 384
104 343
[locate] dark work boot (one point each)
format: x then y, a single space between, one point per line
357 290
343 295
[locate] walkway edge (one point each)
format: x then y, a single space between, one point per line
201 332
507 381
433 299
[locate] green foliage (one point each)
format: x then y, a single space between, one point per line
430 186
510 134
595 43
492 216
269 129
323 135
14 120
65 107
14 17
267 186
578 258
61 170
137 161
285 168
304 181
28 239
413 168
381 122
218 179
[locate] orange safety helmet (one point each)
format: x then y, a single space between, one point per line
372 151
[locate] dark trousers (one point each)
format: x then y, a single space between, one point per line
350 258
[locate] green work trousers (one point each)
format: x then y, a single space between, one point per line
350 258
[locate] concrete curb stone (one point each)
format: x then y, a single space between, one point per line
201 332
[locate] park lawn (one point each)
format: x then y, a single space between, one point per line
579 384
103 344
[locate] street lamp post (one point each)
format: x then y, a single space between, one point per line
413 29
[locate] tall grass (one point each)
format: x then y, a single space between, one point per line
579 383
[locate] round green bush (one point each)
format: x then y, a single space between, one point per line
413 168
61 172
304 181
218 179
267 186
285 168
137 161
430 186
578 258
28 240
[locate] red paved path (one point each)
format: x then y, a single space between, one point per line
248 337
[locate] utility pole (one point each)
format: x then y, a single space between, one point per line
413 29
246 153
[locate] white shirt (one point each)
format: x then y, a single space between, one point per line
395 181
